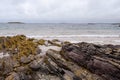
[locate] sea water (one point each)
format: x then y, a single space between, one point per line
61 30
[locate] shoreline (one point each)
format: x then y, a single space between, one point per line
96 39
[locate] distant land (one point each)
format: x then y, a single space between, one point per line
15 23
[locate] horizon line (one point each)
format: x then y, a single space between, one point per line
20 22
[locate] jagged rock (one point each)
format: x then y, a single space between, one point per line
15 63
85 54
7 65
55 40
26 60
41 42
41 76
55 43
2 78
17 76
118 50
35 65
38 51
22 69
46 67
71 70
80 61
13 76
39 64
65 42
1 64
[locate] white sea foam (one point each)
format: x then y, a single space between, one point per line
70 36
116 40
87 41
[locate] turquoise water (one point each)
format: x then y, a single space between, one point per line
60 30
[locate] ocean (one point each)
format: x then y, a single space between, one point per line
61 30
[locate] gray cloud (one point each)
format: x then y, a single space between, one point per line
60 10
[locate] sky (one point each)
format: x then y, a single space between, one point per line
60 11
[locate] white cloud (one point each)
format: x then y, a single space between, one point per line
60 10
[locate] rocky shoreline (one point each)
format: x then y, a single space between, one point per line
23 58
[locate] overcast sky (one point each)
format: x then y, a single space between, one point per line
60 11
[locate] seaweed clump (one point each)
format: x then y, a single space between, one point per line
18 45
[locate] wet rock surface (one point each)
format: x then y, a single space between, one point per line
75 61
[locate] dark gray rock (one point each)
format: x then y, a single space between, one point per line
70 70
94 58
25 59
18 76
35 65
